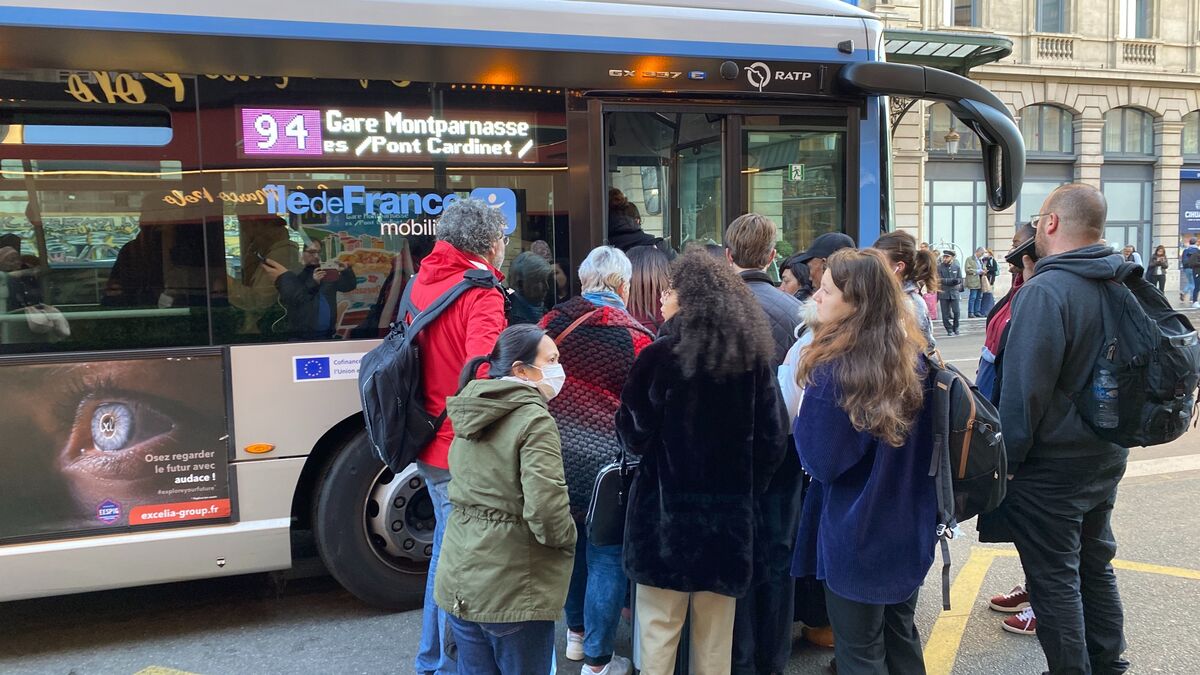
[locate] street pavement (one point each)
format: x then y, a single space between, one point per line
263 624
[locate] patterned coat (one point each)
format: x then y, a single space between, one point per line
597 356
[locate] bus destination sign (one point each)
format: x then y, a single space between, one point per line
472 136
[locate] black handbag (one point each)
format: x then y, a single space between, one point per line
610 498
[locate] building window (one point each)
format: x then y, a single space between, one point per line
941 123
956 215
1052 16
1134 18
961 12
1128 132
1130 211
1047 130
1191 136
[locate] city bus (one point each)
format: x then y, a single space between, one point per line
169 413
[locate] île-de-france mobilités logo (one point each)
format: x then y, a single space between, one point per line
353 199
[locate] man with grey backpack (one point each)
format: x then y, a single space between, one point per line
1072 367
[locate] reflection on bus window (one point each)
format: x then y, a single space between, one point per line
126 247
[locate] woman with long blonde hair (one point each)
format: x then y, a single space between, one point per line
864 433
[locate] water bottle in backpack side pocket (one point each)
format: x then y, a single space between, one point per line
1104 389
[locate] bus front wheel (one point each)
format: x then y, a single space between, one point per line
373 527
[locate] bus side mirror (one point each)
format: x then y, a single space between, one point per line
977 108
1003 150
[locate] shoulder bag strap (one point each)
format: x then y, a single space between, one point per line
939 468
575 324
406 307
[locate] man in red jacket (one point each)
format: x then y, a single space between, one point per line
470 236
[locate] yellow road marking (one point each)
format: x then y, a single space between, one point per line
944 640
946 637
160 670
1181 572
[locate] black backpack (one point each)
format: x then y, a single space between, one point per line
389 379
1150 359
1191 260
969 462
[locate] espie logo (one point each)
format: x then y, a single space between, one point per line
108 511
354 199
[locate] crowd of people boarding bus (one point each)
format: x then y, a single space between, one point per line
781 435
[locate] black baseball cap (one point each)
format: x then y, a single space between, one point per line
826 245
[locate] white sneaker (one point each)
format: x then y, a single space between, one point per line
1196 305
574 645
618 666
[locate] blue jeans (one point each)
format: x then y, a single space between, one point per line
595 598
973 299
431 655
1195 285
521 648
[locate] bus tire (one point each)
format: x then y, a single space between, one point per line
342 529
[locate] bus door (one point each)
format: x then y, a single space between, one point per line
681 174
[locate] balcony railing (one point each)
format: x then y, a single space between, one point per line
1055 48
1139 53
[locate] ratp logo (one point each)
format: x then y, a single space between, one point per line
503 200
758 74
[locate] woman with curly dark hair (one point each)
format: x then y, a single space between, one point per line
702 409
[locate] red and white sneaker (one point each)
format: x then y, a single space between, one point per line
1011 602
1024 623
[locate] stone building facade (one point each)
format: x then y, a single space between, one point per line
1106 92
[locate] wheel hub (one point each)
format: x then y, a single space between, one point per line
400 518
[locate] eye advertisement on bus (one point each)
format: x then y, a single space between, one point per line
110 445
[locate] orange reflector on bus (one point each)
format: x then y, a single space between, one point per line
259 448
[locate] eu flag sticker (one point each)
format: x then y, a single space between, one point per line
501 199
311 368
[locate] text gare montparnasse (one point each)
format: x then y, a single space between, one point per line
374 134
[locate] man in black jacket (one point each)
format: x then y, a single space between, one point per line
310 295
762 629
951 276
1064 478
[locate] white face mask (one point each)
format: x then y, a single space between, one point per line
553 379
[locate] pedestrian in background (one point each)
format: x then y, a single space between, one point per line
507 550
795 279
1190 267
1023 620
916 272
950 283
1156 273
529 280
974 273
649 279
598 341
987 283
1064 478
470 237
703 411
762 631
1186 281
821 248
1131 254
864 433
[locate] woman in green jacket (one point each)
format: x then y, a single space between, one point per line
510 541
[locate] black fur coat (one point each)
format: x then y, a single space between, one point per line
707 448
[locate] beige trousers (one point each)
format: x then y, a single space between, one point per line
660 616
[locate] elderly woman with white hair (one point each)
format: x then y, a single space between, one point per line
598 341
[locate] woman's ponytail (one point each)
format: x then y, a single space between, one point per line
471 370
925 274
